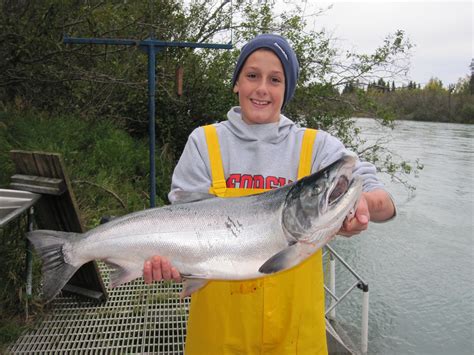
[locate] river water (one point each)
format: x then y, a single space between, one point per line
419 266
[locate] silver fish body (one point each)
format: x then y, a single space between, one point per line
226 239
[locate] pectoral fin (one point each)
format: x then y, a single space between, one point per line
192 285
287 258
121 272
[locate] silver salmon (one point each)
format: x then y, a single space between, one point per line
212 239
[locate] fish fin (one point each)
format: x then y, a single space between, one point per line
288 257
179 196
56 271
192 285
121 273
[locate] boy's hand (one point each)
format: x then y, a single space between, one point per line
159 268
358 222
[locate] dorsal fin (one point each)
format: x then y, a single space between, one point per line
179 196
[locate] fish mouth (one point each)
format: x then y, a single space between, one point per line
340 188
341 182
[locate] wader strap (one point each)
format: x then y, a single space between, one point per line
218 186
306 153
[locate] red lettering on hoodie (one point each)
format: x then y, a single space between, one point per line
271 182
233 181
247 181
258 182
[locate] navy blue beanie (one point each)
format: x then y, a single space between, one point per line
278 45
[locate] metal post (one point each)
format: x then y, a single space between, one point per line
365 319
29 262
150 46
151 120
332 284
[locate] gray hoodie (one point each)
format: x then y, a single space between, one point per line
258 156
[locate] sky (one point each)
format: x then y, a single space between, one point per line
442 32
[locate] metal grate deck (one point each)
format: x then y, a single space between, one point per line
136 319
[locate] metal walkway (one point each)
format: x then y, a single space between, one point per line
137 319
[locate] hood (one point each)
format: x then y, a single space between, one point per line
268 132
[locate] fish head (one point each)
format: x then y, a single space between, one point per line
316 205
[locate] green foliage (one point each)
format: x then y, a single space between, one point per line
98 81
10 330
14 300
39 71
100 159
434 84
432 103
13 269
463 85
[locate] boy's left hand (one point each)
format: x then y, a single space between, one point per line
357 223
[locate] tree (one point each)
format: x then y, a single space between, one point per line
471 82
434 84
349 88
40 72
463 85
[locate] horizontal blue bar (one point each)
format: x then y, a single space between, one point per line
146 42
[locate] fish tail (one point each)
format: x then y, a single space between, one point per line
56 271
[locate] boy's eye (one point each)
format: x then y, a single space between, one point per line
276 80
251 75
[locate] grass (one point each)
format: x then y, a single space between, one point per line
106 165
10 329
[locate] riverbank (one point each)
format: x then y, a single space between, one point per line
433 103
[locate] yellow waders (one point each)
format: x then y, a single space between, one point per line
280 314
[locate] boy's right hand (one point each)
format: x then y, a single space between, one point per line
159 268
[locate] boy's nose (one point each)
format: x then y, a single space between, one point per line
262 88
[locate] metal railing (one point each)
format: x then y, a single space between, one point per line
335 300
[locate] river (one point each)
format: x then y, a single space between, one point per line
419 266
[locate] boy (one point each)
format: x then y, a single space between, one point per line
258 149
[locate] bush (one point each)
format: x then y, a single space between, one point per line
108 168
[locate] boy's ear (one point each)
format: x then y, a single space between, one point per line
236 88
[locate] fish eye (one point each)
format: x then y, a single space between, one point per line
316 190
339 190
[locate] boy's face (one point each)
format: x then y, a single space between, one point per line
261 87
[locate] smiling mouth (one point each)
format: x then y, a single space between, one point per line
260 102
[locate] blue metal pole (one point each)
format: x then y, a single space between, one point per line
152 46
146 42
151 120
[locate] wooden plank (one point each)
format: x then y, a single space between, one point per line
38 184
58 212
70 215
24 162
42 164
44 190
36 180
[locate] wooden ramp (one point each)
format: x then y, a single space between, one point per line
57 209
